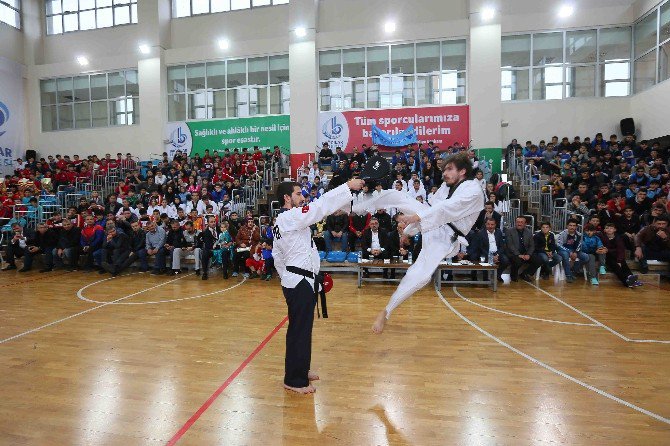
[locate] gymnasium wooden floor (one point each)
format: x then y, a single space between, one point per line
144 360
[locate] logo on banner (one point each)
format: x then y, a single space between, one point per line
334 129
4 116
179 140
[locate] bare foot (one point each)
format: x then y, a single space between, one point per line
378 326
303 390
312 376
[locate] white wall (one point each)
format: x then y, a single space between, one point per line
11 46
538 120
649 109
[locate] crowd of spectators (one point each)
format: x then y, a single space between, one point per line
162 212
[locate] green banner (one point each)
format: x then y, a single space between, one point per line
493 156
219 134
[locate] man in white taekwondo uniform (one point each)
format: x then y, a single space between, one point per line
455 208
297 261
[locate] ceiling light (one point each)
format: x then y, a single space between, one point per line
488 13
389 27
566 11
144 48
300 32
82 60
224 44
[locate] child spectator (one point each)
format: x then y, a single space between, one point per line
593 246
615 258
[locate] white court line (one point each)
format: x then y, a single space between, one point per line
81 296
33 330
597 322
455 289
550 368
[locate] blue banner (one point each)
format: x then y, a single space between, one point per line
381 138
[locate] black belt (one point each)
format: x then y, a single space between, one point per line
457 232
318 287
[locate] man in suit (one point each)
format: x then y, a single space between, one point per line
43 242
488 212
520 248
208 238
487 243
399 245
116 247
374 244
17 245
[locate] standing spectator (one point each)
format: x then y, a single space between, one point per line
569 243
545 249
653 243
208 240
336 230
520 247
616 256
155 241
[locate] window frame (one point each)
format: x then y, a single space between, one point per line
18 10
132 6
174 16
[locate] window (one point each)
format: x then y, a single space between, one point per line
398 75
229 88
652 47
10 13
64 16
187 8
86 101
566 64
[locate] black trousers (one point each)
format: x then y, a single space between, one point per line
205 257
14 251
622 271
239 261
301 303
516 264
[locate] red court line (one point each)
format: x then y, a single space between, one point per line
42 277
220 390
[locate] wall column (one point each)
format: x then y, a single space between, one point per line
303 76
484 80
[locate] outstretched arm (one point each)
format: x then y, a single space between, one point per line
300 218
463 203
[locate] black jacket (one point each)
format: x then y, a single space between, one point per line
175 238
207 240
480 243
337 223
138 240
45 241
479 224
393 244
69 239
543 244
119 245
367 239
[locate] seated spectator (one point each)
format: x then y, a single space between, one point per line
174 241
246 240
357 226
138 250
520 247
629 225
385 220
67 247
487 212
653 243
17 245
374 244
43 242
399 245
569 243
155 246
417 190
545 249
593 246
116 249
640 203
337 230
650 217
325 156
92 237
189 246
615 258
576 207
488 243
